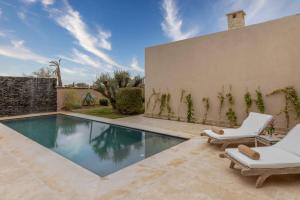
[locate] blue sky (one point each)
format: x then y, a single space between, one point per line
95 36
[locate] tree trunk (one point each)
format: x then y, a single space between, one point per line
59 77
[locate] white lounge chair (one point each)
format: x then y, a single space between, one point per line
281 158
252 126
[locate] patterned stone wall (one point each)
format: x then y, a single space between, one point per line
24 95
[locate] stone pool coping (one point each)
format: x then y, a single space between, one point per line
190 170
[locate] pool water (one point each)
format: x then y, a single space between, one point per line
99 147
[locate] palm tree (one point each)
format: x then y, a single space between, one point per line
56 64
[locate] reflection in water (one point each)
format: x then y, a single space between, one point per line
99 147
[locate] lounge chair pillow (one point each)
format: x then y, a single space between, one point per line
249 152
217 130
256 122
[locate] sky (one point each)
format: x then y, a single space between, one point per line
101 36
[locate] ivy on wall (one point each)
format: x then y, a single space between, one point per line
231 116
248 101
190 108
291 103
260 101
182 94
221 98
205 100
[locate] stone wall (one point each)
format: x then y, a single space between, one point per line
24 95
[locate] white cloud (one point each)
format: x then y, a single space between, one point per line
71 20
263 10
18 50
43 2
103 40
135 65
73 71
172 24
22 15
81 58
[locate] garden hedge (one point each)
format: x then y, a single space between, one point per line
103 102
130 101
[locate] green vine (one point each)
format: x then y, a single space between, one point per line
155 95
180 103
169 109
190 109
291 97
163 103
206 107
221 99
260 101
231 116
248 101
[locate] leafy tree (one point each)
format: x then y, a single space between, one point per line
56 71
108 84
43 72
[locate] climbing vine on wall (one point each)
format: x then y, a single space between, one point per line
180 103
291 100
163 103
260 101
205 100
156 96
221 98
169 109
248 101
190 108
231 116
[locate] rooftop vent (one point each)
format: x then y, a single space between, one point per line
236 19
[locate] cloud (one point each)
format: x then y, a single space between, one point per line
81 58
71 20
135 65
18 50
22 15
263 10
43 2
73 71
172 24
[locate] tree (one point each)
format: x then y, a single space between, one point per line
56 71
108 85
43 72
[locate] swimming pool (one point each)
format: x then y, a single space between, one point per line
99 147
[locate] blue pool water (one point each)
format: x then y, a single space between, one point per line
100 147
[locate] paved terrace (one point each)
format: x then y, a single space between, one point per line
190 170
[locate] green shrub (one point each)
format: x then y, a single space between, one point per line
130 101
103 102
70 101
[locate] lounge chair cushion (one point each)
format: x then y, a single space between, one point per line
256 122
291 142
270 157
230 133
253 125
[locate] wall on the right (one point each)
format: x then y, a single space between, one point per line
265 56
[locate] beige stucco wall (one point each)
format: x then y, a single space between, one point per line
78 92
265 55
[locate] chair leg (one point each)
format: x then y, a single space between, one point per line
232 164
224 146
261 179
208 140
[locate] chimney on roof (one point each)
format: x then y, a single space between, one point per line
236 19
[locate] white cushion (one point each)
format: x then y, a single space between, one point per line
270 157
256 122
253 125
230 133
291 142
